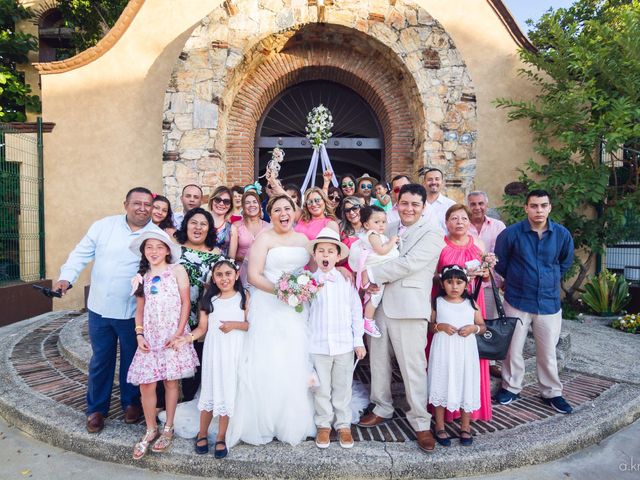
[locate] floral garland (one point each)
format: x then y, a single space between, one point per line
319 124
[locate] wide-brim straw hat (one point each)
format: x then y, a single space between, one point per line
366 176
157 234
328 235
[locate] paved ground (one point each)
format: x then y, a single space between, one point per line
22 457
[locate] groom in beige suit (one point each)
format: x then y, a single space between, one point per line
403 314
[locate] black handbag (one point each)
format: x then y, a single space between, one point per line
494 343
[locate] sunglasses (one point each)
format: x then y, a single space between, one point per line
224 201
154 288
334 198
366 186
347 184
355 208
314 201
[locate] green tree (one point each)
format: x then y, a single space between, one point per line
586 67
15 95
90 19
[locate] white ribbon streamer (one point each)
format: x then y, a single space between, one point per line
310 178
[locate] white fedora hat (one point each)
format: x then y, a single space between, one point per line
328 235
157 234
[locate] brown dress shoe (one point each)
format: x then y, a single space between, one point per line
371 420
95 422
345 437
426 442
132 414
322 437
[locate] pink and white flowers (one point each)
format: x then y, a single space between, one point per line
295 289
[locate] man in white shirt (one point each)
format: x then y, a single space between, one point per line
191 198
437 203
336 328
396 184
111 307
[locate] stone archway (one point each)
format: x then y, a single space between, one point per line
397 57
368 75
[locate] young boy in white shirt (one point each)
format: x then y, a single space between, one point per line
336 328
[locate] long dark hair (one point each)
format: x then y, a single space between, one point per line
181 234
212 290
144 267
455 271
168 220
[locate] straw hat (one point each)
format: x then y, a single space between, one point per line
328 235
366 176
157 234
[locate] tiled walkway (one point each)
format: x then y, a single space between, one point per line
38 361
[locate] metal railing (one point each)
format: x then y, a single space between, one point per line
21 205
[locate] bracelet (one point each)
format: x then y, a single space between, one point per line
478 329
193 339
139 328
140 334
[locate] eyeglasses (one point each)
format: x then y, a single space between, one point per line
366 186
154 288
314 201
335 198
347 184
225 201
353 209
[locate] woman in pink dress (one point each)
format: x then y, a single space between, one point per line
316 214
351 226
244 232
461 249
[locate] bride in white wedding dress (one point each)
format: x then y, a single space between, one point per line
273 399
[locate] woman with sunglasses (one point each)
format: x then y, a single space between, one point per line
316 214
348 185
351 226
197 236
220 208
244 232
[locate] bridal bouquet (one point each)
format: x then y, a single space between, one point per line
489 260
296 288
319 123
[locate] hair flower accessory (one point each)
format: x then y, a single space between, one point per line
452 267
229 260
254 186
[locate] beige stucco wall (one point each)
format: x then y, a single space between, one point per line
108 115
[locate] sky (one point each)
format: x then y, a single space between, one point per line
525 9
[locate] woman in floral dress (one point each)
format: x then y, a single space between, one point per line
197 235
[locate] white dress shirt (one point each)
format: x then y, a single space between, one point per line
439 209
107 244
336 325
177 220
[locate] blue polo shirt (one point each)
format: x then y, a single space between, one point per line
532 266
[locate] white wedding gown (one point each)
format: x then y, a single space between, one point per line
273 398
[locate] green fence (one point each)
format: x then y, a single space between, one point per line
21 205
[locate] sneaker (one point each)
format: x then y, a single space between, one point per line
345 438
559 404
505 397
371 329
322 437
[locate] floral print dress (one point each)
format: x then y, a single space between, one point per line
198 266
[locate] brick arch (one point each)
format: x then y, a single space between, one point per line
373 79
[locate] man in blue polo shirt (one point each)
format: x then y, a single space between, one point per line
533 255
111 307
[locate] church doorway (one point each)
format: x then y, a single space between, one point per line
357 143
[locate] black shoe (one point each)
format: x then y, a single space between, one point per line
559 404
202 449
505 397
220 453
445 441
466 439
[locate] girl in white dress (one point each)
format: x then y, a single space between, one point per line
223 309
454 367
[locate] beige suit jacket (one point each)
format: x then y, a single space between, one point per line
408 279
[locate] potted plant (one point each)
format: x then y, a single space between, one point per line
606 293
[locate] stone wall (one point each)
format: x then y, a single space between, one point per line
242 55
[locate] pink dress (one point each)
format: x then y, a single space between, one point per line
160 320
312 228
245 240
455 254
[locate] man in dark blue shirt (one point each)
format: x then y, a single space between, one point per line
533 255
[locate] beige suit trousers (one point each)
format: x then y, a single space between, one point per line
406 338
546 331
332 399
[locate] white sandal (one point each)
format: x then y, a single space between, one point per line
164 442
141 447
